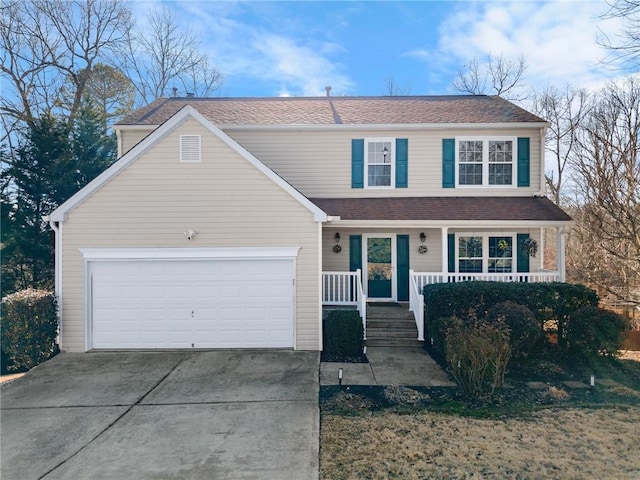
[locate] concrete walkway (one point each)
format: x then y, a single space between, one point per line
388 366
163 415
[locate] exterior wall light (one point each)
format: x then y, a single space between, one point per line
422 248
337 248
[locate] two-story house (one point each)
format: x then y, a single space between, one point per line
231 222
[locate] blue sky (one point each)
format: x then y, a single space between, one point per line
297 48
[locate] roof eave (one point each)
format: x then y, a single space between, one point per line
416 223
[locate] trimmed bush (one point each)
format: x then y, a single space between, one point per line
477 353
343 334
29 327
525 328
592 331
551 303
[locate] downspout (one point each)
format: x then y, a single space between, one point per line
57 229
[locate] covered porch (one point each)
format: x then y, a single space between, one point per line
427 241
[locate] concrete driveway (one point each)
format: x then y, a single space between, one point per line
171 415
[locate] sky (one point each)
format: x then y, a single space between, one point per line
297 48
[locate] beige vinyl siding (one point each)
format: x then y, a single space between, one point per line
318 163
339 262
130 138
224 198
427 262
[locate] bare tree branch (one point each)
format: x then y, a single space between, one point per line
564 110
393 89
608 202
498 76
625 49
165 57
44 42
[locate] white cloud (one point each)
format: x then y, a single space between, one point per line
288 65
558 38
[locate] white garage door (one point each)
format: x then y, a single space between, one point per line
191 303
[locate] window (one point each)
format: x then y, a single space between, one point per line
485 253
470 162
486 161
190 149
500 254
379 162
469 254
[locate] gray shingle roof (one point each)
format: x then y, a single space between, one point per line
444 208
338 110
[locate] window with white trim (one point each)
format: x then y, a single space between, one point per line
485 253
379 159
486 161
190 149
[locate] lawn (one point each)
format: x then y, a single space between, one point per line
524 433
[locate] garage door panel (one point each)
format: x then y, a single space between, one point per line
204 303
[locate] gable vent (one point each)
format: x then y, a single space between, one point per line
190 151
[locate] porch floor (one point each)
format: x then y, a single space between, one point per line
409 366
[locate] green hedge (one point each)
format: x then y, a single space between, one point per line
550 302
343 334
593 331
29 328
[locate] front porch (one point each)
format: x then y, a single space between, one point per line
347 289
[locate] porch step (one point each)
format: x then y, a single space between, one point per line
390 323
393 342
391 326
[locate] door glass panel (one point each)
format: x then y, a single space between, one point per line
379 267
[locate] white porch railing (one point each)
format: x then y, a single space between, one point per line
345 288
416 303
427 278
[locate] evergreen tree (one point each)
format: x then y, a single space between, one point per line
52 164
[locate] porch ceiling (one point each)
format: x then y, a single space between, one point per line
445 209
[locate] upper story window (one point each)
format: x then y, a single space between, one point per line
486 161
379 162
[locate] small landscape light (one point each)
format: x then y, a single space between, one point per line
340 376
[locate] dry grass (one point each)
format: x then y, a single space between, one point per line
567 444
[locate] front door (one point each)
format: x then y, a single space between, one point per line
380 267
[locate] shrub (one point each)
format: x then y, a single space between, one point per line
477 353
550 302
343 334
592 331
525 329
29 327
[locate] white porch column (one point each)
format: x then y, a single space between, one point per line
560 254
445 253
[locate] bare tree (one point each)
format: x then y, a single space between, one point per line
107 88
607 166
164 57
45 42
393 89
497 75
626 47
564 110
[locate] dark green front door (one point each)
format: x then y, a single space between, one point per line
379 267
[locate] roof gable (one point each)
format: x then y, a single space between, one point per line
186 112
